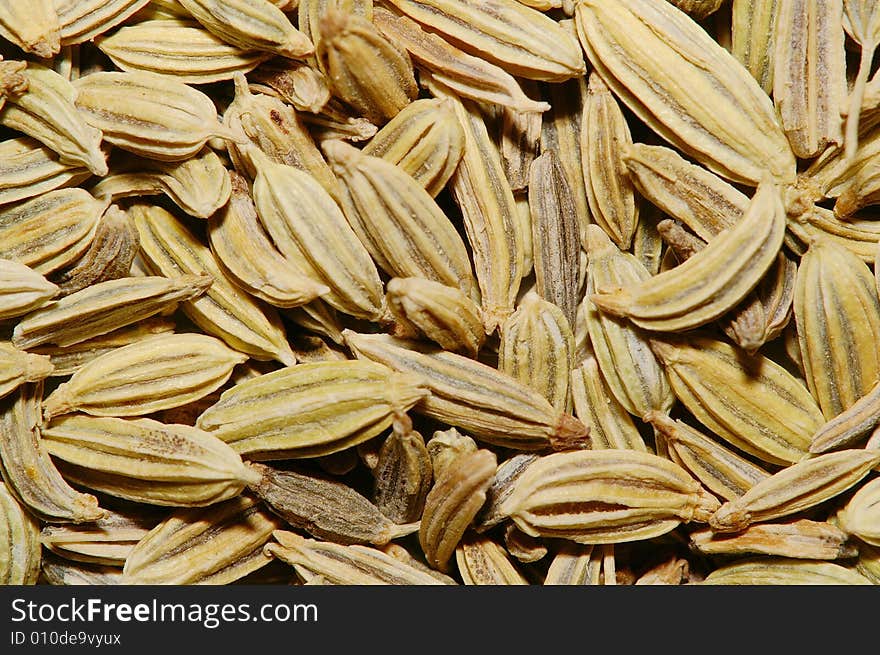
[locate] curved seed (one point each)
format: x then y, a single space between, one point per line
29 169
307 225
244 251
402 227
783 571
20 552
630 369
522 41
837 312
861 514
611 426
366 70
18 367
537 348
180 49
686 87
471 77
27 469
800 539
425 140
82 20
481 561
441 313
796 488
50 231
711 282
48 113
452 504
169 247
722 471
22 289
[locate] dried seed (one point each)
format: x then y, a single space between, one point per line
561 132
345 565
523 547
493 229
796 488
711 282
783 571
441 313
654 57
20 552
838 323
210 545
32 26
311 409
749 401
251 24
722 471
108 257
481 561
686 192
468 76
245 252
611 426
366 70
50 231
488 404
149 114
520 139
149 375
82 20
307 225
403 473
425 140
180 49
444 447
104 307
631 371
246 324
402 227
574 564
22 289
801 539
66 360
754 38
809 77
520 40
29 169
297 83
555 234
859 516
18 367
27 468
48 113
198 185
502 486
107 541
605 137
146 461
58 571
326 509
605 496
537 349
457 495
